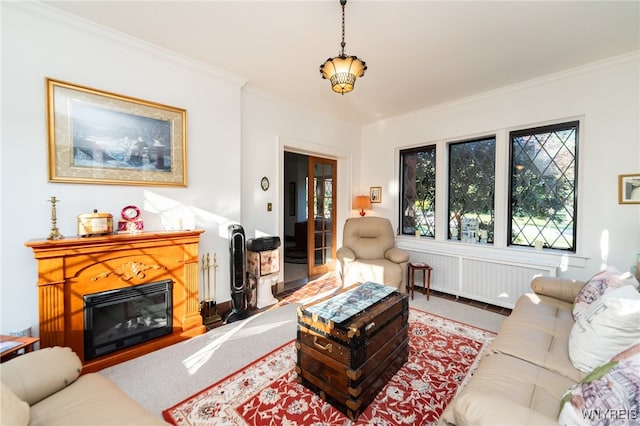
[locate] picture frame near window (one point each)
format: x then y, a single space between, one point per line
375 194
98 137
629 189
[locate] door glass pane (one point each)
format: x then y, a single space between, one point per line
323 190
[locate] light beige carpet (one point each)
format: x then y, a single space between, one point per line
163 378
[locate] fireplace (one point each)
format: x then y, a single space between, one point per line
117 319
88 286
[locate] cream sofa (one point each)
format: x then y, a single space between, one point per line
44 387
528 368
369 253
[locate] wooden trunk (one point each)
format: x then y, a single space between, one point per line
348 363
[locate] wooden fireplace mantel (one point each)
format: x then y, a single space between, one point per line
71 268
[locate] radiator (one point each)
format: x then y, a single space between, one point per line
493 281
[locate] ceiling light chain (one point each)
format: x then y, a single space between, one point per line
343 44
343 70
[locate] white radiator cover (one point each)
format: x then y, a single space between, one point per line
493 281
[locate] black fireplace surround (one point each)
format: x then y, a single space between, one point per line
117 319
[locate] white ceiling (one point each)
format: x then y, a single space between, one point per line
419 53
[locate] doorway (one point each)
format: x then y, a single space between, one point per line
310 192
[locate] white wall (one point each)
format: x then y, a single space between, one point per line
223 170
606 95
270 127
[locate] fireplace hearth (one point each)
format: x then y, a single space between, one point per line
118 319
78 276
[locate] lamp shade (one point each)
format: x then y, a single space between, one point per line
342 72
361 202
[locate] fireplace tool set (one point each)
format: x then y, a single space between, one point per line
208 308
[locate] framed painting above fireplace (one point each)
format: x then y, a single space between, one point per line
105 138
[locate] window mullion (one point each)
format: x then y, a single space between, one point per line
502 197
442 189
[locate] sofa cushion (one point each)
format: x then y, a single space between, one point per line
38 374
563 289
598 285
538 331
609 325
91 400
507 390
13 410
611 391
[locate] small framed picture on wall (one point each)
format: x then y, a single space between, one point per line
629 189
375 194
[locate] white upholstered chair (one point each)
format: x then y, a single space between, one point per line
369 253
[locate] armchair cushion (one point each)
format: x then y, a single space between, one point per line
368 237
396 255
32 378
369 253
345 254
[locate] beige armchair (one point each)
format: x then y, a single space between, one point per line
369 253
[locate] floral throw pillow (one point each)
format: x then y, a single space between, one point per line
598 285
609 325
609 395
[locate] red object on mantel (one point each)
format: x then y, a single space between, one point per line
130 225
71 268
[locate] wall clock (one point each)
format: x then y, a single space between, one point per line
264 183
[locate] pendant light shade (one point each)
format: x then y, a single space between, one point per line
343 70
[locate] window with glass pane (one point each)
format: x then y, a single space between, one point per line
418 190
543 186
472 166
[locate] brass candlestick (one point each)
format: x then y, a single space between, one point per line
55 234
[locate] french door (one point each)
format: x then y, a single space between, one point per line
321 211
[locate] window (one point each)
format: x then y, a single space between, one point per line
543 186
472 166
418 190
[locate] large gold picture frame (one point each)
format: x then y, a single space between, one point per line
99 137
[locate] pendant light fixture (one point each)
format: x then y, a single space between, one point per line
343 70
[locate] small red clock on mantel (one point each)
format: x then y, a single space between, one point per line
131 221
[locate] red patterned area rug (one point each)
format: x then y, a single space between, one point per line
443 355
